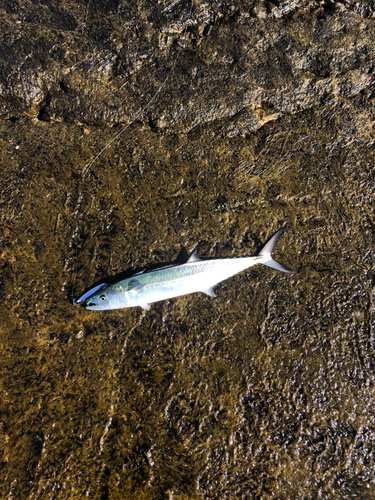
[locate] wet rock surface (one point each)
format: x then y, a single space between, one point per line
262 118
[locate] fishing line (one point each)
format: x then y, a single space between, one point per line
89 165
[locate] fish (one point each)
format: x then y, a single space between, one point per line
167 282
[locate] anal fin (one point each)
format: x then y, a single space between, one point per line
209 291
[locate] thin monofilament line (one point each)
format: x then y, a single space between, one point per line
139 114
87 168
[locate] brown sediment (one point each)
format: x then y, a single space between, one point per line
267 119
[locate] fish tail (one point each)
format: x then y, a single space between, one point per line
267 251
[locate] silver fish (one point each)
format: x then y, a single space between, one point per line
144 288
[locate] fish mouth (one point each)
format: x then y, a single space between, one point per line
94 306
90 304
85 298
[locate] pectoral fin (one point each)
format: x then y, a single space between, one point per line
140 272
135 284
209 291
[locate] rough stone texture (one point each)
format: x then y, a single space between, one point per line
244 116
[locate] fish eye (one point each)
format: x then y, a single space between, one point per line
103 297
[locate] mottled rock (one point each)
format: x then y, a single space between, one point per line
234 119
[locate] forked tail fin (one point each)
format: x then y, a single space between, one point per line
267 251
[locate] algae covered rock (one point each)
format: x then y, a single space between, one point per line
131 131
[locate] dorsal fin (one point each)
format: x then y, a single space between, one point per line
193 257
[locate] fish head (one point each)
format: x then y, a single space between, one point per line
99 301
103 300
90 293
116 296
95 298
111 297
